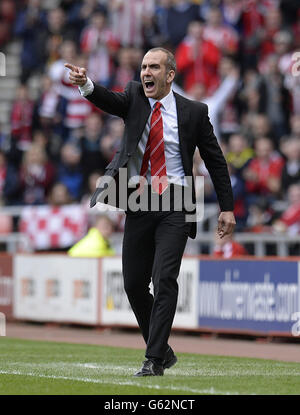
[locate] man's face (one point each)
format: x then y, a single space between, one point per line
156 80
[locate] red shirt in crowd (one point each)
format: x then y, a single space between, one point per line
264 170
230 249
201 69
21 120
292 215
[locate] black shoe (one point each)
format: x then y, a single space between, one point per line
170 359
150 368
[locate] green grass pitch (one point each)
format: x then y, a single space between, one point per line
38 367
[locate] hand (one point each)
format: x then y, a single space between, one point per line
77 75
226 224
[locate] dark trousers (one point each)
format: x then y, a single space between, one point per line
153 246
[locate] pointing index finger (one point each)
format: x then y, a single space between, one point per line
70 66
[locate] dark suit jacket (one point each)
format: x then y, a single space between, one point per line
194 129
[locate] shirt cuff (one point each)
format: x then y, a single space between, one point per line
87 88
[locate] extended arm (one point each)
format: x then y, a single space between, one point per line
115 103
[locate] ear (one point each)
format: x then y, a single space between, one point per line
170 76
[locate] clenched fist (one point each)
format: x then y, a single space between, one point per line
77 75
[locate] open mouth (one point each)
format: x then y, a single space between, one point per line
149 85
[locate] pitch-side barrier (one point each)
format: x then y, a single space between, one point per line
257 296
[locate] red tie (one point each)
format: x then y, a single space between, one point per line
155 151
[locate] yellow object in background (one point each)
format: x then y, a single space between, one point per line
92 245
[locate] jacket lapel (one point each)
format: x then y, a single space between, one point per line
143 111
183 117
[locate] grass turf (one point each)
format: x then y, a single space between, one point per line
38 367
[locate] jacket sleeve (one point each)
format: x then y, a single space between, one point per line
215 162
115 103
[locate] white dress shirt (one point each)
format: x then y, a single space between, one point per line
174 165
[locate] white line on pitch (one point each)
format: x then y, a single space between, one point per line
210 391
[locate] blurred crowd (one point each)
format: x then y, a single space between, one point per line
235 55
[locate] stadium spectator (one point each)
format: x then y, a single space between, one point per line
4 139
90 186
7 17
179 14
41 139
74 108
96 243
255 126
58 30
252 20
57 74
92 157
217 102
228 114
152 36
272 25
250 107
227 248
112 140
21 123
21 117
124 71
275 97
283 43
296 30
127 20
49 143
292 83
70 171
260 216
59 195
295 125
290 148
100 44
239 153
263 173
36 175
31 23
290 11
78 12
198 59
161 18
116 216
45 108
221 35
232 12
86 9
289 222
239 195
9 182
136 60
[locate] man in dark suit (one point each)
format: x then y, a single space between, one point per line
162 131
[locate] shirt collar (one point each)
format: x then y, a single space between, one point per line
165 101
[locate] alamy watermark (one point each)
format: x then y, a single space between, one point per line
2 324
296 326
134 195
296 63
2 64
